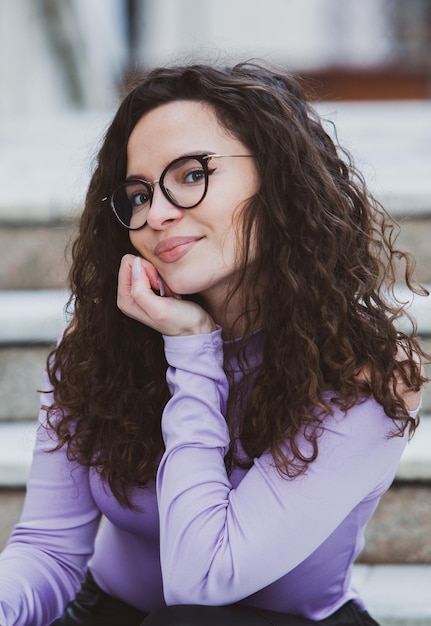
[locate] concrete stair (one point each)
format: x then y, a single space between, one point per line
45 166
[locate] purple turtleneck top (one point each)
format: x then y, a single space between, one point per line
196 534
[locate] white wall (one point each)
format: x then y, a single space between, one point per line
302 33
32 78
28 77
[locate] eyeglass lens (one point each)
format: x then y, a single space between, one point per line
184 183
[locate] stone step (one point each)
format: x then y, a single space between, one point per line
399 531
46 164
415 237
35 256
29 317
396 595
419 307
415 464
30 322
374 132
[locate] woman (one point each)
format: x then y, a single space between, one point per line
231 394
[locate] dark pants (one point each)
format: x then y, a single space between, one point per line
94 607
239 615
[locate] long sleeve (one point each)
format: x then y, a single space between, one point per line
43 564
220 544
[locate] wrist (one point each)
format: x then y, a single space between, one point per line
204 328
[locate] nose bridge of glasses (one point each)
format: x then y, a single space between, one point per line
162 204
164 191
150 184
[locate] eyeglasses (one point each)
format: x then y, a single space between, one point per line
184 182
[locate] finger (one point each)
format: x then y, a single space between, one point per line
125 276
141 266
165 289
145 281
128 286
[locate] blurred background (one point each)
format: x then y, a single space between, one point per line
74 53
63 65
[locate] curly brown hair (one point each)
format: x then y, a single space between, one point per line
327 258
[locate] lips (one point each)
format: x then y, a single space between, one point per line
174 248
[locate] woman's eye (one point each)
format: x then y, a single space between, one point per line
139 199
195 176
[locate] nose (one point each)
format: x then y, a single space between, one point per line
162 212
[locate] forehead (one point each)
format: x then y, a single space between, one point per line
177 128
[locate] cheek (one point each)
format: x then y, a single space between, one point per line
230 245
138 241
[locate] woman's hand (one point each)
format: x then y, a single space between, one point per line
169 315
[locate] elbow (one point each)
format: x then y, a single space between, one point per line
208 590
181 595
182 590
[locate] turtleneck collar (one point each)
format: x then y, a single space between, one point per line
251 358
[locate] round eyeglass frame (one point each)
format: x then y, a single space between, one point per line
203 159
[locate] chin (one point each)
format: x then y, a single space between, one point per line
183 287
185 290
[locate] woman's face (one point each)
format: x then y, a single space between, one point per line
194 250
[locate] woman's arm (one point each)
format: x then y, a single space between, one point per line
43 564
220 544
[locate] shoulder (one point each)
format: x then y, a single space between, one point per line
362 442
411 396
407 360
363 430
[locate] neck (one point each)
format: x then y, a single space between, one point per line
228 313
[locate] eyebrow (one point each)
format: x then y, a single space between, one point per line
180 156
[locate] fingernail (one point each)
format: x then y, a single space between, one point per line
161 286
136 268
